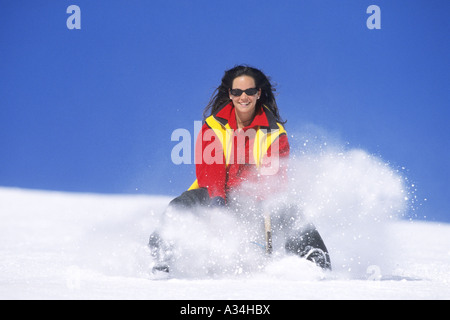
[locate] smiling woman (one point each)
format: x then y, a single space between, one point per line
239 140
239 79
244 103
244 96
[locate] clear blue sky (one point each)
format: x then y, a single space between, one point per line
93 110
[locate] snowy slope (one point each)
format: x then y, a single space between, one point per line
85 246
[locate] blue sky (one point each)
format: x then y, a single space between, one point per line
93 110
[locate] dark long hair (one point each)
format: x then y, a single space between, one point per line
221 95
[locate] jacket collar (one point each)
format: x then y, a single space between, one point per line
264 117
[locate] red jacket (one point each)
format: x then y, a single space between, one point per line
212 170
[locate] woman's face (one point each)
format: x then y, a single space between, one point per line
244 104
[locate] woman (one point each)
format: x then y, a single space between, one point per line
240 154
243 112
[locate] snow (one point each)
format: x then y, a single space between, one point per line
57 245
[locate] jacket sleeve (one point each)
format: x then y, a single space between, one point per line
210 163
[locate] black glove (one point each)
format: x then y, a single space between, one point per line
217 202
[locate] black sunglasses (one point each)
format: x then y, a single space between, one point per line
239 92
